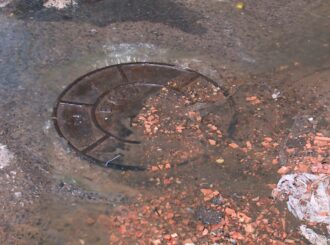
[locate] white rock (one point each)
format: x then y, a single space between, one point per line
18 194
59 4
276 94
5 156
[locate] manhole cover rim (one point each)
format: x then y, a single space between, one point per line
76 81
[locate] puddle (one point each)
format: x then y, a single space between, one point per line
100 119
248 170
83 185
209 184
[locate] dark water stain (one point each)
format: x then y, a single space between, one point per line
104 12
208 216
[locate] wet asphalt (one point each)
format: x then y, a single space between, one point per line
267 45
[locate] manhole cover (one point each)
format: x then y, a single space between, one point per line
132 116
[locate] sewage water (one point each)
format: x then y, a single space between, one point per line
65 199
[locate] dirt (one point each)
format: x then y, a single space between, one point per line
272 59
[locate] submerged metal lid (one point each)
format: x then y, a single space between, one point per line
128 116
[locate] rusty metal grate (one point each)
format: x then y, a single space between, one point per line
97 113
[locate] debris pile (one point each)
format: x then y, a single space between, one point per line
305 183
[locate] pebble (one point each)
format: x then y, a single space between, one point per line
220 160
283 170
233 145
205 232
18 194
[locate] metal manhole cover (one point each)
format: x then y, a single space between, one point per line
132 116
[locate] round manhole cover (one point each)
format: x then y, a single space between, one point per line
132 116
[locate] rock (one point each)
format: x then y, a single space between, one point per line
220 161
205 232
230 212
248 145
283 170
18 194
233 145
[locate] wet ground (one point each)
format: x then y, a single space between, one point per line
271 57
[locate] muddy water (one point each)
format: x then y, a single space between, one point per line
63 195
89 190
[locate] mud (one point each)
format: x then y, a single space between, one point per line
50 195
103 13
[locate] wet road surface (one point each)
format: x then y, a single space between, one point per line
272 58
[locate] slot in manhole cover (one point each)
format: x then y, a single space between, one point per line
132 116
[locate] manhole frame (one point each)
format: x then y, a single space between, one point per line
122 167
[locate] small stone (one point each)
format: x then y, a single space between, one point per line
205 232
179 129
212 127
200 227
268 139
243 217
207 192
220 161
212 142
18 194
276 94
303 168
283 170
233 145
230 212
236 235
170 215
